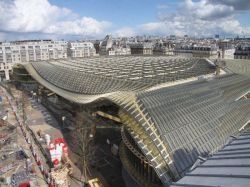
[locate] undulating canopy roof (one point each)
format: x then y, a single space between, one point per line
104 75
194 119
171 125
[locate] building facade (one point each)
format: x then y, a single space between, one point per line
227 49
163 49
81 49
27 51
242 52
197 51
116 50
106 45
141 49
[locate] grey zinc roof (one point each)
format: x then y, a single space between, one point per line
229 167
197 118
239 66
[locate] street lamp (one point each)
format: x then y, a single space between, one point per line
34 95
63 119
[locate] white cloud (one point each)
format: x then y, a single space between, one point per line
234 27
125 32
204 10
237 4
22 19
86 26
40 16
152 26
162 28
198 18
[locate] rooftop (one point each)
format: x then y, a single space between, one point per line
193 119
173 126
104 75
228 167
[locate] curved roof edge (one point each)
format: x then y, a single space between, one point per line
75 97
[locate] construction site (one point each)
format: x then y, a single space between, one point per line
33 151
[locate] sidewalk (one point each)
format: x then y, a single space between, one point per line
39 119
20 173
33 117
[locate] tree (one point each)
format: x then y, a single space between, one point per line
82 141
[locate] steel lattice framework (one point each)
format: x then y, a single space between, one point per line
172 126
105 75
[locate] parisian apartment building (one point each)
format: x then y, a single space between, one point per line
81 49
27 51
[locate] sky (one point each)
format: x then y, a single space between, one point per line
93 19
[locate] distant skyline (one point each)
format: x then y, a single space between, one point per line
88 19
